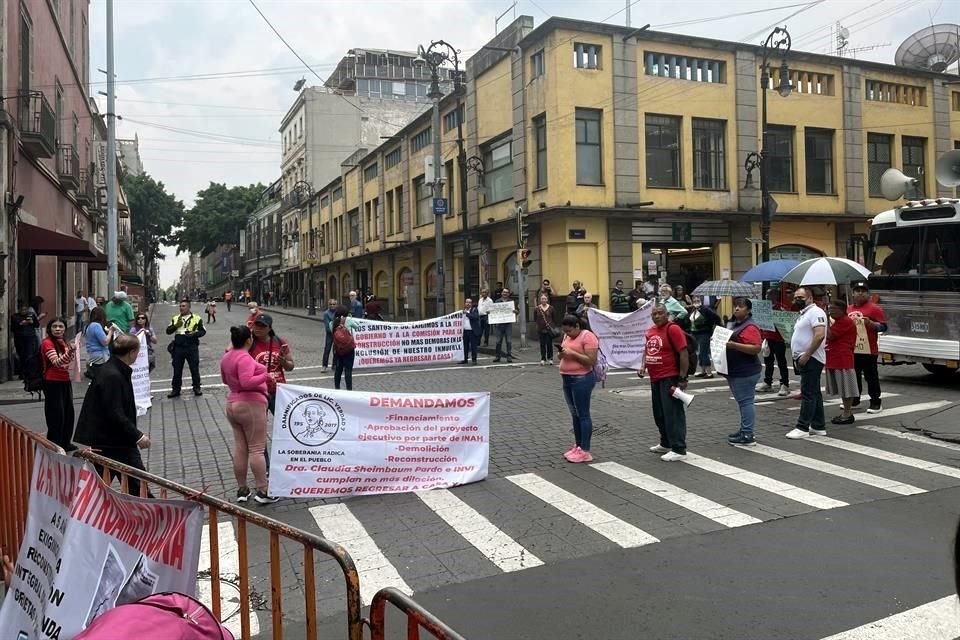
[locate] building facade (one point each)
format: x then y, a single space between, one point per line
261 262
625 149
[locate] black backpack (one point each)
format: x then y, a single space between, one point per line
691 350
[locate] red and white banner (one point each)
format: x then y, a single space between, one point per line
390 344
330 443
88 548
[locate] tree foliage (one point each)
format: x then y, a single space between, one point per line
154 214
218 214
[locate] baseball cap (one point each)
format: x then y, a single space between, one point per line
251 305
264 318
859 284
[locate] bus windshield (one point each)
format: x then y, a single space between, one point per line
919 250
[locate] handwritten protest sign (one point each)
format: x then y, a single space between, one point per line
718 348
763 314
502 313
784 321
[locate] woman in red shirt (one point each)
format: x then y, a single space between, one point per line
272 352
841 374
56 356
578 354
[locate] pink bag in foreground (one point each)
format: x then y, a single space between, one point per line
162 616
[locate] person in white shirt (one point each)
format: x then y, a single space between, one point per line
91 304
809 358
483 308
80 306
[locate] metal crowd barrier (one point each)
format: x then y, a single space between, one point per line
16 462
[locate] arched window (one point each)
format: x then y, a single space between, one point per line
333 288
381 285
430 281
346 284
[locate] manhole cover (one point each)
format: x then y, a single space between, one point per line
504 394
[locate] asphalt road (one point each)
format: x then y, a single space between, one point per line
794 539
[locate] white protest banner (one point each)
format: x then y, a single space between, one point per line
623 336
330 443
718 348
763 314
141 377
502 313
389 344
88 549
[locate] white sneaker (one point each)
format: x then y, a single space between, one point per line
763 387
784 391
659 449
818 432
543 362
673 456
798 434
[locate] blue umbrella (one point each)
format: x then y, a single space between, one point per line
771 271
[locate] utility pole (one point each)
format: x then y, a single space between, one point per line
629 4
435 55
113 275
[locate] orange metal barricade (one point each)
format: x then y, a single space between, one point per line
16 462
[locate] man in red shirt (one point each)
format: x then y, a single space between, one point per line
666 360
870 320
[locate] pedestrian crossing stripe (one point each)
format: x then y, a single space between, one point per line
836 470
835 402
609 526
913 437
765 483
681 497
887 456
937 620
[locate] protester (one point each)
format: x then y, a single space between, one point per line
80 308
498 291
809 357
273 353
471 332
344 346
57 357
186 328
703 319
582 310
546 289
25 324
873 320
578 355
743 369
91 303
211 311
636 295
142 325
328 317
228 298
372 310
666 360
575 297
97 342
682 296
36 308
119 311
108 417
619 300
356 307
841 372
101 301
676 311
247 405
547 331
255 311
504 330
777 349
483 308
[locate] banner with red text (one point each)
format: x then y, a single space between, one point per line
89 548
390 344
330 443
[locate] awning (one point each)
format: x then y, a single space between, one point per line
43 242
131 278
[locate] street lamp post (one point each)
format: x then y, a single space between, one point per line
779 39
436 55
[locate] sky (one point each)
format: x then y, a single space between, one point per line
205 83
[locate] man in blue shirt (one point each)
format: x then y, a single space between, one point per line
328 317
356 307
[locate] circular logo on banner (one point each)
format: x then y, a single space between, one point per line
313 421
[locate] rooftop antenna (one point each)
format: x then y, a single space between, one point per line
496 23
843 38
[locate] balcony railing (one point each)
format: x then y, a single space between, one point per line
68 166
85 189
38 125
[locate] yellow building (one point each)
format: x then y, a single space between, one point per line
625 149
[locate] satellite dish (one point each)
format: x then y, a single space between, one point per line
948 169
933 48
844 33
894 184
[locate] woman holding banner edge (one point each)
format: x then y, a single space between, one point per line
578 355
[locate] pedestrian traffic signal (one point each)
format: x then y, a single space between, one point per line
523 228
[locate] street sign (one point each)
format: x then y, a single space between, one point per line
440 206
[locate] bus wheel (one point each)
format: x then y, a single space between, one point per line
940 371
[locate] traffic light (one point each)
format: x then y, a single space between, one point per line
525 260
523 228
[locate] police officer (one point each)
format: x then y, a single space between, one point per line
186 329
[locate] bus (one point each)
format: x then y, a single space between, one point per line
914 257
